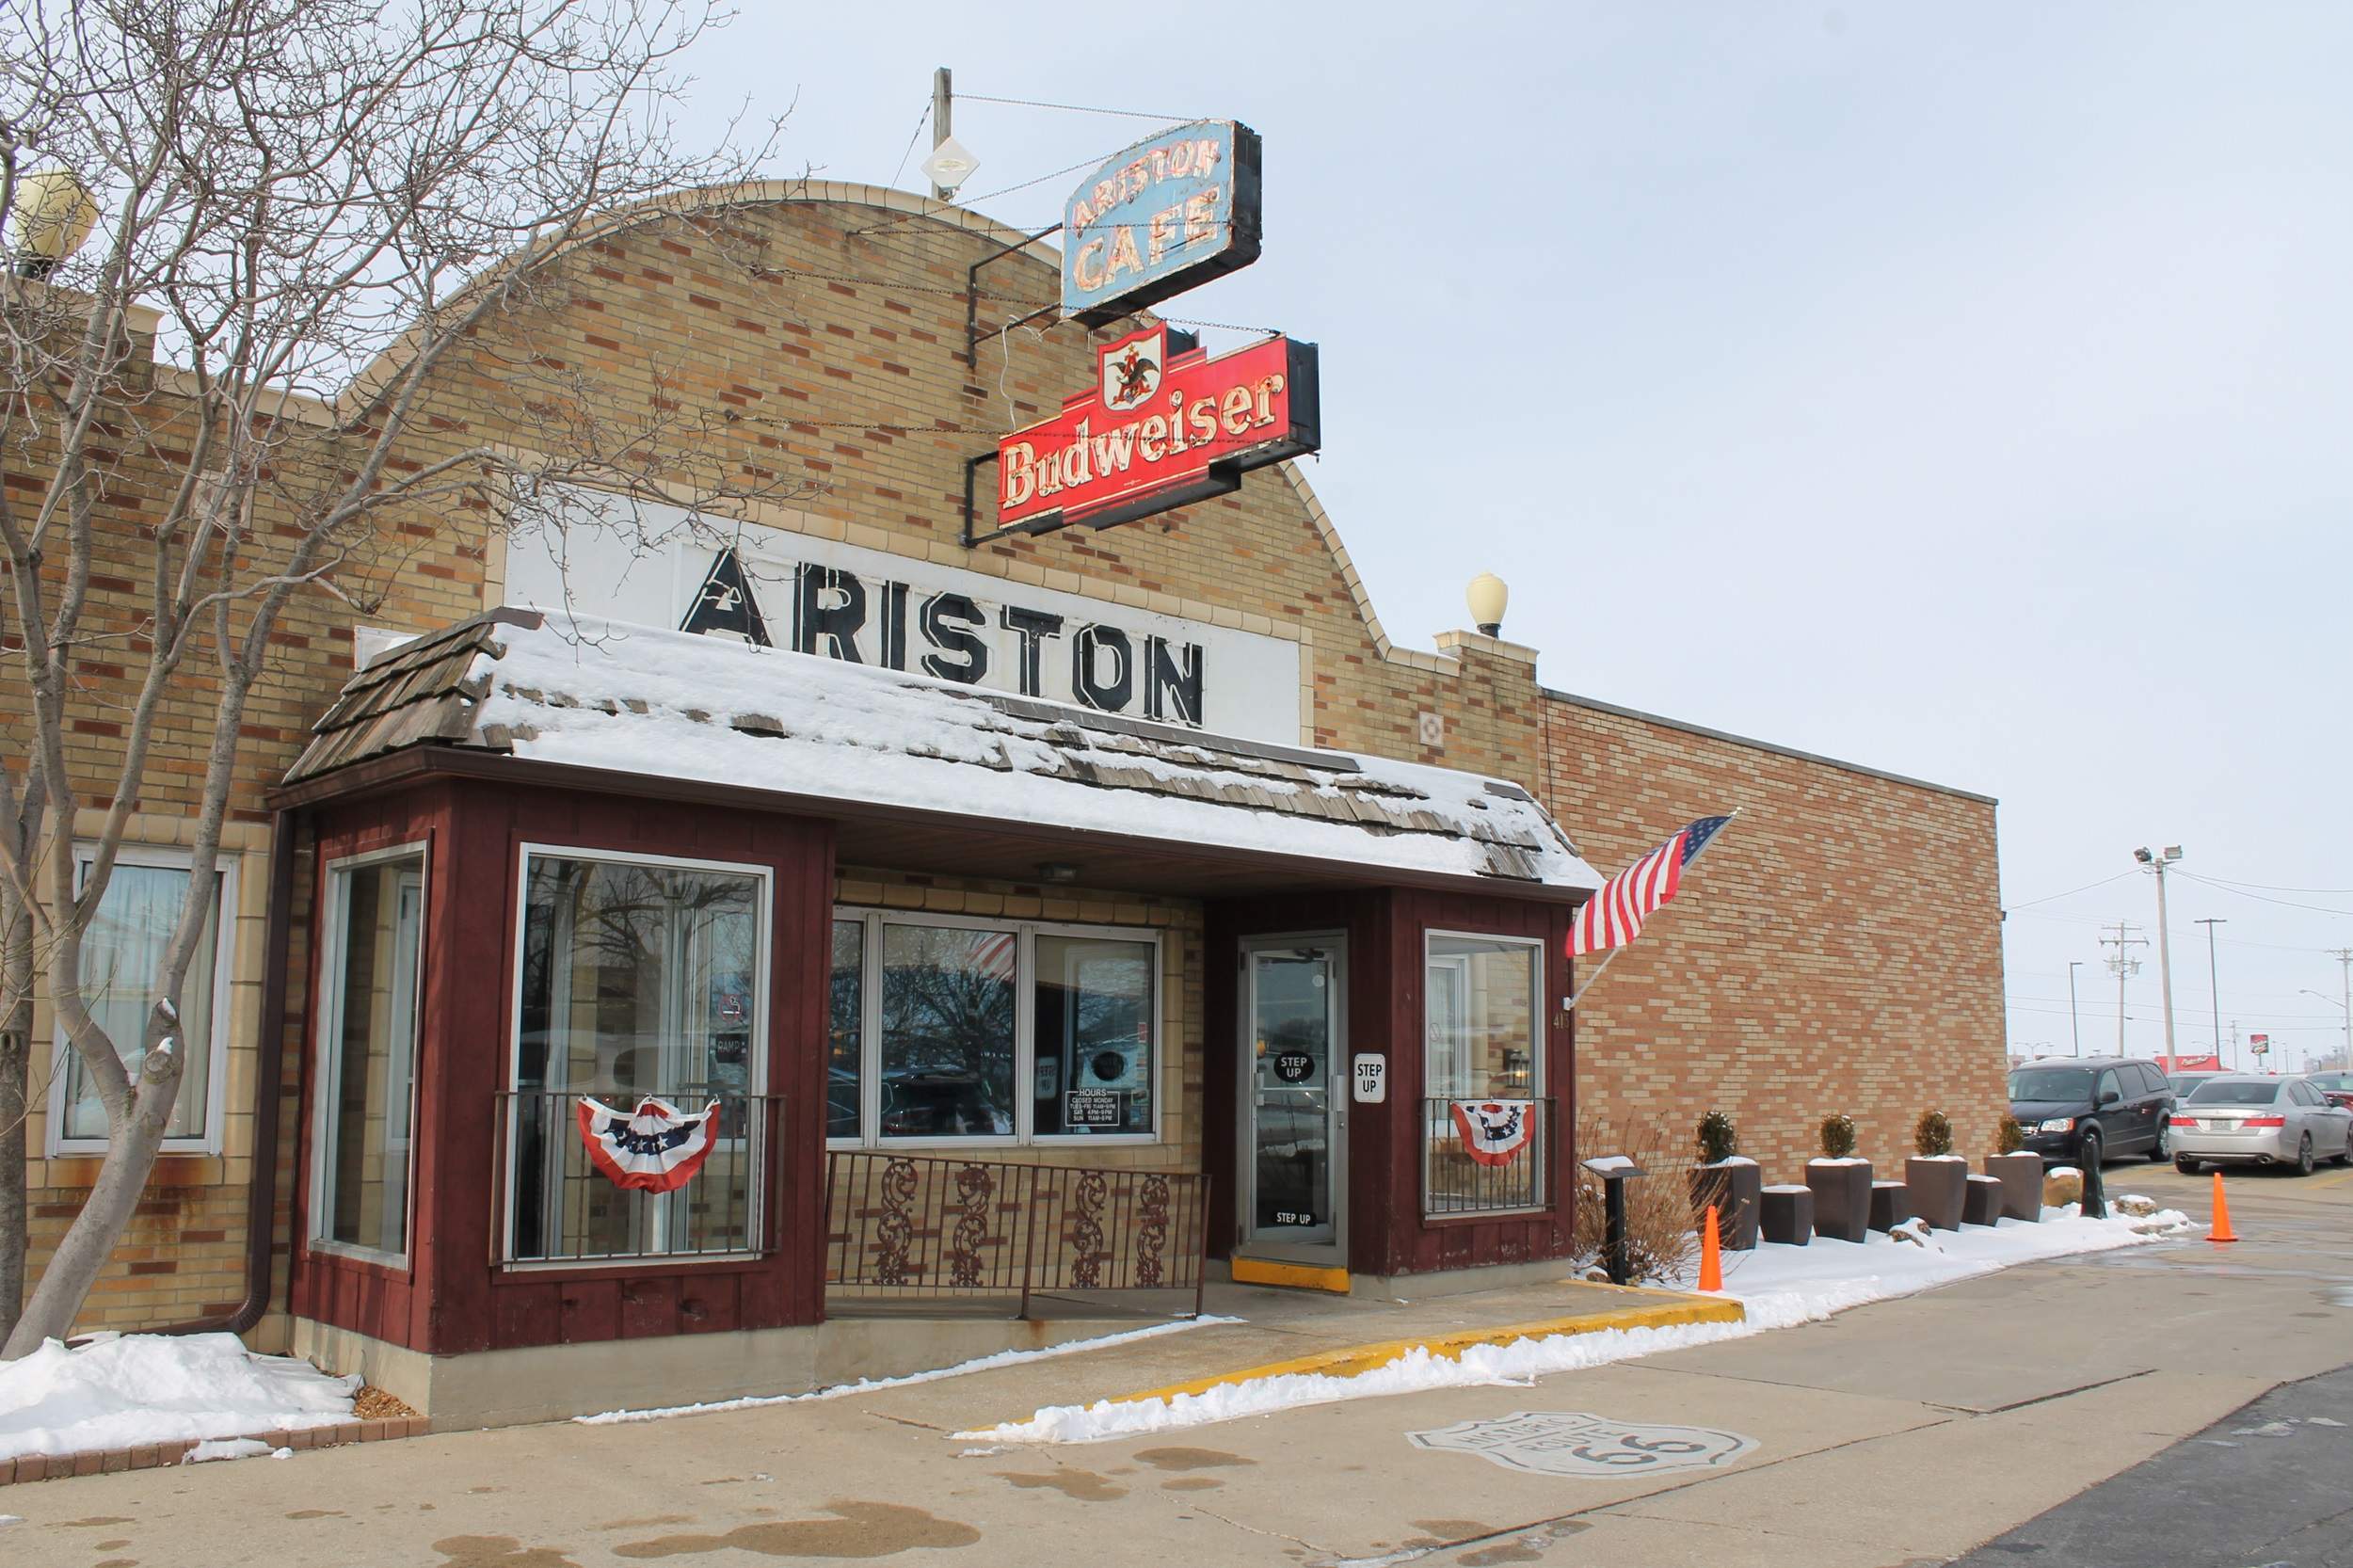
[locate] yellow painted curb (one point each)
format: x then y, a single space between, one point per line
1300 1277
1665 1311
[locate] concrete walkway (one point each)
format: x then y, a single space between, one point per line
1905 1432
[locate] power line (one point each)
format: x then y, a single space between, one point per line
925 119
1073 108
2070 893
2264 898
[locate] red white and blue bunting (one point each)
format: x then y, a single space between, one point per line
655 1149
1495 1132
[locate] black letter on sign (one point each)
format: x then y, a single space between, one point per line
1112 696
813 618
1172 691
1033 625
938 618
725 603
894 626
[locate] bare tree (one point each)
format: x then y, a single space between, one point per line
340 209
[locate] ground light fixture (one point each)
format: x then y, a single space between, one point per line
53 214
1487 596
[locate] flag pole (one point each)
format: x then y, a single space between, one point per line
1579 995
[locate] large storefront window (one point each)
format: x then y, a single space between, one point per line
983 1032
1482 1065
368 1052
122 951
640 978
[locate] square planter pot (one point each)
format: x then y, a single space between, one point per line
2021 1175
1981 1205
1842 1198
1938 1184
1891 1205
1732 1187
1786 1215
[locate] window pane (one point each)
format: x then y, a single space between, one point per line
122 952
1481 1002
373 1065
637 979
846 1029
1093 1035
947 1033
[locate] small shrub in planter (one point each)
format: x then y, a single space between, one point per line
1937 1179
1841 1184
2018 1169
1729 1181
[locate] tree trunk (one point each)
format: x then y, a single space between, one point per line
16 1030
66 1281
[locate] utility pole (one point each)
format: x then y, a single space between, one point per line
943 105
2214 983
2122 965
2074 1024
2344 967
2156 861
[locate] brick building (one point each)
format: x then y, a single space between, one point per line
400 907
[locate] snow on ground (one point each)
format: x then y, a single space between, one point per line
1778 1286
868 1385
123 1391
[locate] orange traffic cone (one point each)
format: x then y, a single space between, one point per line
1711 1265
2222 1231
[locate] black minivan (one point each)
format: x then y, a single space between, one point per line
2082 1110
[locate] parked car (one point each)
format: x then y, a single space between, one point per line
2088 1110
2244 1119
2337 1087
2183 1082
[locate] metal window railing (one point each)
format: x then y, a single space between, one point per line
900 1228
551 1205
1455 1181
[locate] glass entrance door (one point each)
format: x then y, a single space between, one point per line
1296 1051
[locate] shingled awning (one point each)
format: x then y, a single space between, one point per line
828 738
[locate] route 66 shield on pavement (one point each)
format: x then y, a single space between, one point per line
1574 1443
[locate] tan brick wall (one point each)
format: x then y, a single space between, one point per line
1838 949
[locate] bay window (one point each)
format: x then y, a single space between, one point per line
122 949
641 976
979 1032
367 1050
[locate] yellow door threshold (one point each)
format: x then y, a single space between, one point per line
1298 1276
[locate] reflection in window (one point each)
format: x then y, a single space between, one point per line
1482 1017
845 1029
947 1031
121 953
369 1072
1093 1040
639 980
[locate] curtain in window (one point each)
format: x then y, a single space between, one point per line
121 953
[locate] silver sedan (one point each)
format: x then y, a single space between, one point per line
2246 1119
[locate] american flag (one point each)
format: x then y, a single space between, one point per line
1614 916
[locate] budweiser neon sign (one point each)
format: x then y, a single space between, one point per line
1164 425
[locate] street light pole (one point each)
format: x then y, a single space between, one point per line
2074 1024
2213 983
2158 862
2348 1006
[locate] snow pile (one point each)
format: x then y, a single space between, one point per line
1778 1286
231 1448
123 1391
868 1385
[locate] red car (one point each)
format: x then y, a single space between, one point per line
2337 1086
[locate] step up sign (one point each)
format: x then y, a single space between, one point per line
1164 425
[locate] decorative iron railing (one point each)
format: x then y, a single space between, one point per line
901 1228
1482 1162
550 1204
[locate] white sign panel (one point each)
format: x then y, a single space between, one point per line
1368 1085
662 566
1576 1444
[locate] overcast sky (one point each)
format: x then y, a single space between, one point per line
1961 390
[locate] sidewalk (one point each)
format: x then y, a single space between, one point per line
1913 1430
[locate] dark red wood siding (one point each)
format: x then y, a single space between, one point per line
453 1298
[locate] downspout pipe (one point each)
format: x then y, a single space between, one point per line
260 1203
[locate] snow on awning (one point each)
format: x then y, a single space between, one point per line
667 704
